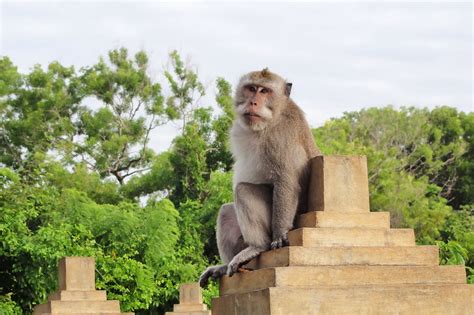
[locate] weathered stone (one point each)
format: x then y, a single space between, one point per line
372 299
95 295
255 303
313 237
190 293
338 183
322 219
72 307
77 294
345 255
189 308
77 274
344 259
340 275
190 299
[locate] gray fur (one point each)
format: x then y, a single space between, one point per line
270 174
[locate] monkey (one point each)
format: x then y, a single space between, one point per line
272 144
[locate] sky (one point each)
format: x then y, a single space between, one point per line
340 56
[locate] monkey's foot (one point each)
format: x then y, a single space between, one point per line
242 258
280 242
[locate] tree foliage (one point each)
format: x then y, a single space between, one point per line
78 176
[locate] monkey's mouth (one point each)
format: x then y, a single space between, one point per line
253 118
252 115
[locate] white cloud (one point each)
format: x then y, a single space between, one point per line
340 56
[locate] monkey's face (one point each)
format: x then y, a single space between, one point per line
254 106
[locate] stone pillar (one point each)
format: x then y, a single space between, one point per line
76 274
338 183
76 292
190 301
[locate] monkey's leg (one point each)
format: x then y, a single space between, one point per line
229 243
228 233
285 204
253 208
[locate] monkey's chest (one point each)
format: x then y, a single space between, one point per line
250 167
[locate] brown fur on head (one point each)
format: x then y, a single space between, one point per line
265 78
260 98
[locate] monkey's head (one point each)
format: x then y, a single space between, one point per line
260 98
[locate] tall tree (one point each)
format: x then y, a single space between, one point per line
117 135
36 112
186 89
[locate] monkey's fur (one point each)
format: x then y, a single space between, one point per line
272 144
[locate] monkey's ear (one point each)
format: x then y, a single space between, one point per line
288 89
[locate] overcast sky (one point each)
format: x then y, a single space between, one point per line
340 56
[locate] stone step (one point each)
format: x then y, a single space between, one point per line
73 307
313 237
96 295
340 275
323 219
384 299
356 255
189 307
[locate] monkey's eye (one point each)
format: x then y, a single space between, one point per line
264 91
251 88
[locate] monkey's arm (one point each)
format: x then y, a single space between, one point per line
285 202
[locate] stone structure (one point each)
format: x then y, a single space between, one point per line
344 259
190 301
76 293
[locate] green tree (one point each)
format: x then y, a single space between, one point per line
116 136
186 89
36 112
463 190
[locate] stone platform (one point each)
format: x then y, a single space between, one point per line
190 301
344 259
77 294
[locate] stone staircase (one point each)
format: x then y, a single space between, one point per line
77 294
344 259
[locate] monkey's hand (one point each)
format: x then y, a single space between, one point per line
213 272
279 241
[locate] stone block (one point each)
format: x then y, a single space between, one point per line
73 307
338 183
77 294
96 295
342 255
190 293
77 274
313 237
190 301
334 219
310 276
179 308
388 299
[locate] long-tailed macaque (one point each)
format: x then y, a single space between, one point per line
272 144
